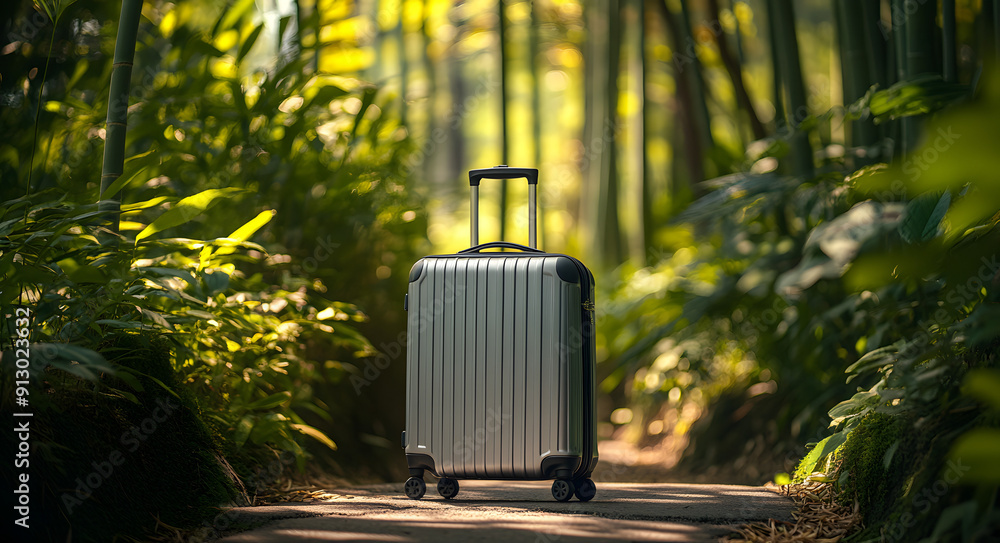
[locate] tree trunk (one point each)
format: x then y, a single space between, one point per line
114 141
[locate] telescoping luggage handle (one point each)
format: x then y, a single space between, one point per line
504 172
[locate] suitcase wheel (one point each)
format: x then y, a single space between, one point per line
562 489
447 487
415 488
585 489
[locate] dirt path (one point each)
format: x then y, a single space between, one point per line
507 511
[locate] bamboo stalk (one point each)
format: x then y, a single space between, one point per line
599 195
636 148
114 142
996 29
899 37
594 43
782 17
685 109
875 43
536 108
854 61
505 141
919 43
739 34
609 227
695 80
732 65
38 112
948 58
645 192
404 68
777 97
430 76
916 58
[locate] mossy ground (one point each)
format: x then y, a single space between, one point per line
896 469
105 467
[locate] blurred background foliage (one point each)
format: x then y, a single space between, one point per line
791 211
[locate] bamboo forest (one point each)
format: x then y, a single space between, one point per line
211 211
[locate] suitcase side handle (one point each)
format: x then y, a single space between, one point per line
502 245
504 172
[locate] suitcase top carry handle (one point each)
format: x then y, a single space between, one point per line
503 172
501 245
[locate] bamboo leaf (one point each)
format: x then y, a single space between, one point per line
367 98
216 282
984 385
274 400
80 361
88 274
153 202
186 210
155 317
249 42
232 15
200 314
922 217
243 428
976 451
315 434
820 451
134 166
153 379
872 358
849 407
170 272
129 379
49 10
244 232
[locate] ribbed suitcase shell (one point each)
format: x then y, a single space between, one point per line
500 367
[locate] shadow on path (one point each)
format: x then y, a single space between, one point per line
505 511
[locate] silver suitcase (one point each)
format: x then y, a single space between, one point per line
500 363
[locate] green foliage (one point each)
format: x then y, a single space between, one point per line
235 339
243 325
916 96
888 274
